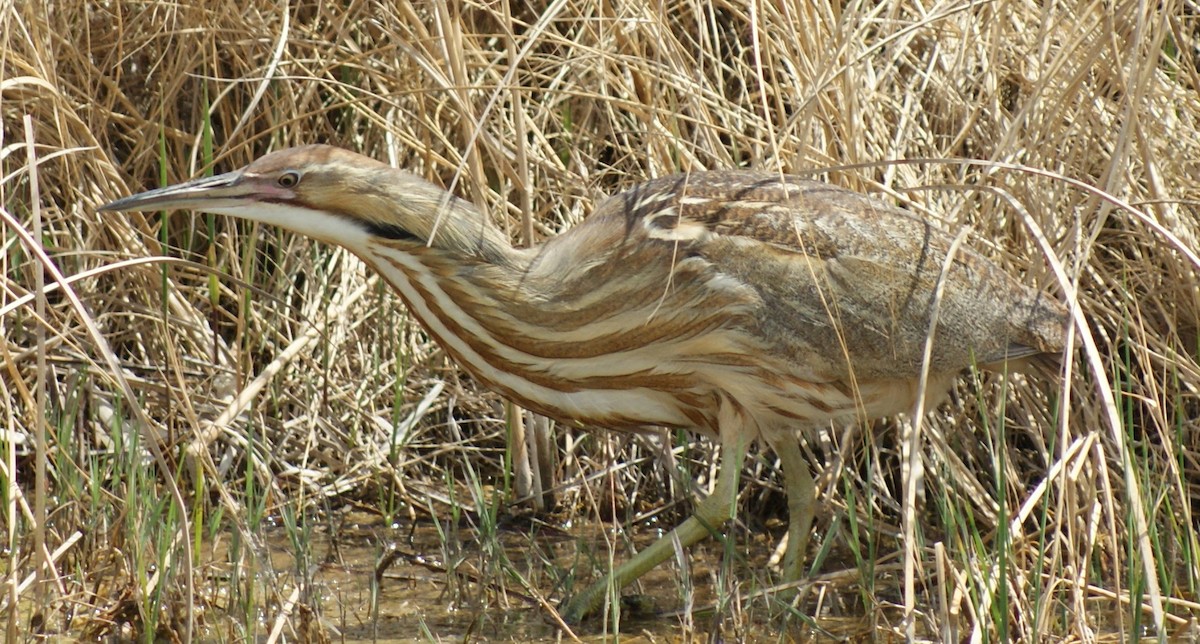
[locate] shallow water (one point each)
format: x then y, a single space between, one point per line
421 597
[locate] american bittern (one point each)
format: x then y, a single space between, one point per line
741 305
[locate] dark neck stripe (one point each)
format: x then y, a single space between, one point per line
389 231
385 231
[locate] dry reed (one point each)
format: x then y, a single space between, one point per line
257 374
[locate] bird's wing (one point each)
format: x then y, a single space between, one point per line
845 279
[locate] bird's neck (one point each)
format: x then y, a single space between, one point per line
400 209
525 323
461 230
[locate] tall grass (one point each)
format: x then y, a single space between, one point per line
159 416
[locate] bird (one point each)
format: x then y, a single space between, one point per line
745 306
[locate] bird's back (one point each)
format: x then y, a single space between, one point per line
765 278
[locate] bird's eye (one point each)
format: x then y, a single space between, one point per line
289 179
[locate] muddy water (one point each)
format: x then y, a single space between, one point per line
431 588
441 583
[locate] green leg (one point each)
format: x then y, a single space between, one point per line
801 495
710 514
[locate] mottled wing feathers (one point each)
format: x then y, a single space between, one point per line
842 278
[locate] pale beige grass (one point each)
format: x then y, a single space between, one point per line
1081 122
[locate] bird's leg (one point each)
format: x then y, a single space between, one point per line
708 516
801 496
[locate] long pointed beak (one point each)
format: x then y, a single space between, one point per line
223 190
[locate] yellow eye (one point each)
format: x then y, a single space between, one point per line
289 179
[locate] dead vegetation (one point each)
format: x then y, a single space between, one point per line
257 378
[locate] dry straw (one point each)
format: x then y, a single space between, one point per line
256 377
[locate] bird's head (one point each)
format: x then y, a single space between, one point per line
333 195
